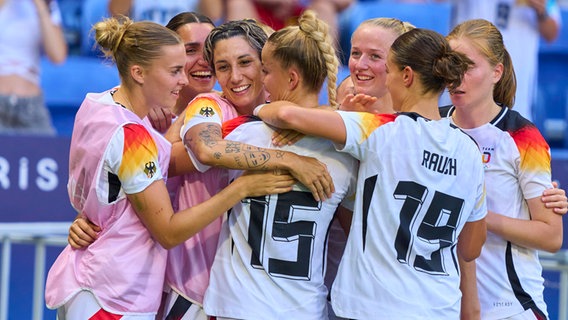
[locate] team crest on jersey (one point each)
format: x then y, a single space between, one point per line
207 112
150 169
486 155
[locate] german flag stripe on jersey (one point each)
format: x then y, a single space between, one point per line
140 152
370 122
204 107
535 153
230 125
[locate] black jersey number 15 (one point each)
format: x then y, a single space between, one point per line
284 229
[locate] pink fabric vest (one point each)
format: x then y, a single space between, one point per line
189 263
125 266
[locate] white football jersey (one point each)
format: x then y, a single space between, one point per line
270 263
517 167
419 182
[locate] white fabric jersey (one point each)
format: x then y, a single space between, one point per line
419 182
270 263
519 26
20 38
160 11
517 167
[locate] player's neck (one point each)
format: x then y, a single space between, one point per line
469 117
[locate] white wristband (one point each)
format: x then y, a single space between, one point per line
257 109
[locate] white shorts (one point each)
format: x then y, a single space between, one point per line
179 308
84 305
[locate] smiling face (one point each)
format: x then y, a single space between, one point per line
165 77
239 72
479 80
369 47
200 78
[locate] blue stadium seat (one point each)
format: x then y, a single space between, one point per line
550 112
66 85
92 12
71 11
435 16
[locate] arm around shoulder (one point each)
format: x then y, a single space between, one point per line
318 122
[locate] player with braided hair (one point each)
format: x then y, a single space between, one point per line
271 258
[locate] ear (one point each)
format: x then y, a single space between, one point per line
407 76
293 78
498 72
137 74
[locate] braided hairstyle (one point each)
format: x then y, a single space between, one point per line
309 47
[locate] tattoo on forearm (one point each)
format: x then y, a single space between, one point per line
252 160
211 135
256 159
239 162
233 147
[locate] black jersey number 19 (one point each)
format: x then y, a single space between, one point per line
438 226
284 229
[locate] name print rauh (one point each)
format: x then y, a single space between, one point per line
439 163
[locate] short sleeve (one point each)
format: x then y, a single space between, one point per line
200 110
480 209
360 127
133 157
533 165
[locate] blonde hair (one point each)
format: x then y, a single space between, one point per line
397 26
309 47
130 43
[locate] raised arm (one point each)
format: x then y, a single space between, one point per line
53 39
319 122
207 145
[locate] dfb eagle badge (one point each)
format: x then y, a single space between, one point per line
207 112
150 169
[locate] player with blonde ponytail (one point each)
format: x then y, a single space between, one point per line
270 263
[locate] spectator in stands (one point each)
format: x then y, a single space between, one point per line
28 28
117 179
280 13
517 166
522 23
159 11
